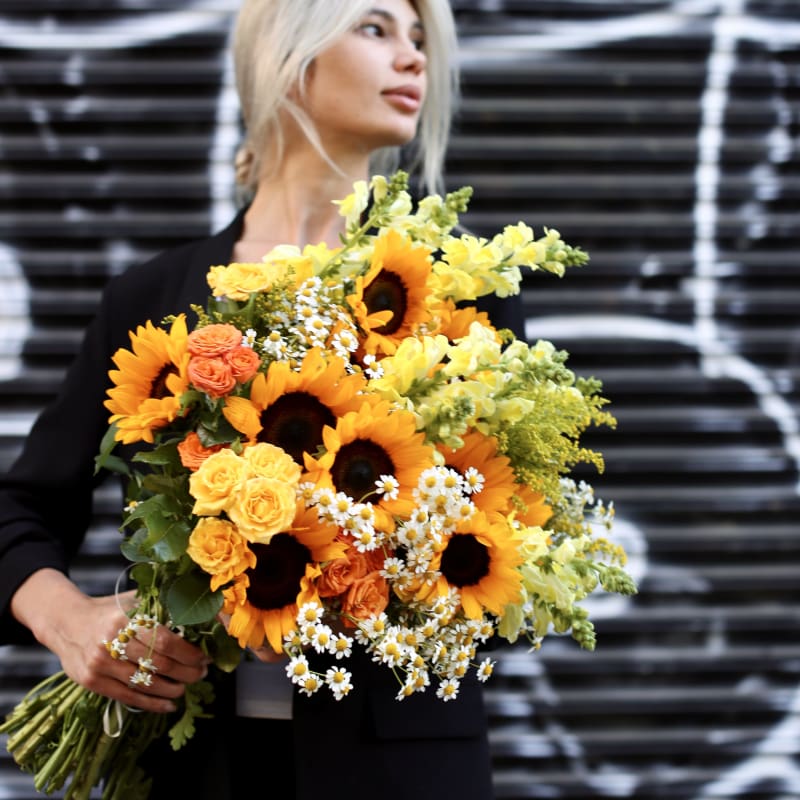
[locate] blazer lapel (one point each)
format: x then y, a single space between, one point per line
208 253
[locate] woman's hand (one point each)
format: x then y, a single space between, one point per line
73 626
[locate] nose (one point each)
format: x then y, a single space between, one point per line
410 58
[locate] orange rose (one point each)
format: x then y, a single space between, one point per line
214 340
218 549
211 375
193 453
244 362
341 573
263 507
367 597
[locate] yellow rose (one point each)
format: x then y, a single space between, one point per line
263 507
215 482
220 550
269 461
238 281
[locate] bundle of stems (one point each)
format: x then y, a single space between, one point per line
62 732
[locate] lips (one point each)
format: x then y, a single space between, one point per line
407 97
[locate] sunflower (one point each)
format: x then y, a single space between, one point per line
397 282
263 601
456 321
149 381
289 409
368 444
494 486
535 510
480 560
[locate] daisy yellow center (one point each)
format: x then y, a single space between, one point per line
465 562
358 465
280 565
387 293
294 422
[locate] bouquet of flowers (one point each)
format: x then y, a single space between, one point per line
344 452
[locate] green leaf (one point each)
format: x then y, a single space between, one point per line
170 486
216 430
190 600
196 696
223 649
133 547
165 455
143 574
144 508
105 460
167 538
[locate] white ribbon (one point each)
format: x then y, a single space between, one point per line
117 706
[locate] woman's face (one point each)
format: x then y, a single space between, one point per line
366 90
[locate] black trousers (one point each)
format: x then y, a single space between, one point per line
368 745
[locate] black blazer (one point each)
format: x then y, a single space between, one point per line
421 748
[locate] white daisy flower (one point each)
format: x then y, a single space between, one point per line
388 487
485 670
473 481
373 367
448 689
141 678
321 639
392 568
341 646
308 685
390 651
309 613
298 669
339 681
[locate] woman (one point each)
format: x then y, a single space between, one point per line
329 90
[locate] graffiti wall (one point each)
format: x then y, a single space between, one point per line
664 138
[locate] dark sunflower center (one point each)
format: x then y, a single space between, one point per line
294 422
465 561
387 293
158 388
358 465
275 579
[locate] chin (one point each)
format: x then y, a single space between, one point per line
399 137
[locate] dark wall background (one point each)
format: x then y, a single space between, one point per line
660 136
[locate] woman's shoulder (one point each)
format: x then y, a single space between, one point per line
172 263
171 280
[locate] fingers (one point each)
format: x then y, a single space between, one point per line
145 665
111 677
266 654
162 641
171 656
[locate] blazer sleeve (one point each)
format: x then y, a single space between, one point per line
46 497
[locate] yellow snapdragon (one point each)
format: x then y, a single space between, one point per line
354 205
478 350
413 361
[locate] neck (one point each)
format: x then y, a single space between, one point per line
294 205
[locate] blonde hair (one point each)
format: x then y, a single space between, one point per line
274 43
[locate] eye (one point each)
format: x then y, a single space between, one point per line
371 29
